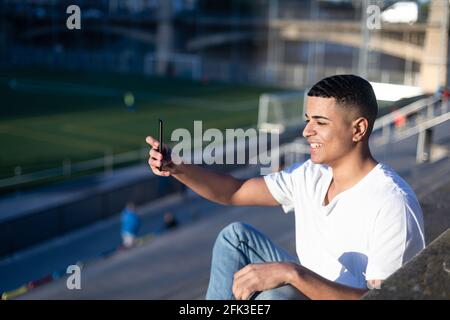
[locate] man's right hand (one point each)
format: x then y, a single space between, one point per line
217 187
157 160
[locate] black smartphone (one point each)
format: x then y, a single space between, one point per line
160 139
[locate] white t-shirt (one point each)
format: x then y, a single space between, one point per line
365 233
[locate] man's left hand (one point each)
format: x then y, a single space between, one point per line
261 276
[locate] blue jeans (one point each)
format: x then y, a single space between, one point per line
236 246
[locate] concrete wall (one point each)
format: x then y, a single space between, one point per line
426 276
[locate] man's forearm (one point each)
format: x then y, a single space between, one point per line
211 185
316 287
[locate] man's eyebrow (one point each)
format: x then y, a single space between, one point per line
317 117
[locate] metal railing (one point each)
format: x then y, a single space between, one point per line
68 169
110 160
419 117
427 113
421 111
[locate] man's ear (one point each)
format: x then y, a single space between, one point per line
360 127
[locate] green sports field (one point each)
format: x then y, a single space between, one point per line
50 117
47 117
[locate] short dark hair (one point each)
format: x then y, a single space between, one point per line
349 91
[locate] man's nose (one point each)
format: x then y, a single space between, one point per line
307 131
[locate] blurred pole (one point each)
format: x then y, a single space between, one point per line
311 68
424 143
113 6
56 14
235 30
433 69
442 76
197 34
355 50
272 47
164 36
365 38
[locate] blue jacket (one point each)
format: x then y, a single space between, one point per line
130 222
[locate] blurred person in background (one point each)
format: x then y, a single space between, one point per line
170 222
130 224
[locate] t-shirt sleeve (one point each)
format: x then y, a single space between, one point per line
395 239
281 186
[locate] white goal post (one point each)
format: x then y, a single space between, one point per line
280 111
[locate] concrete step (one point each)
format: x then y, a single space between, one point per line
173 266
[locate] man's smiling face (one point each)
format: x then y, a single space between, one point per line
329 130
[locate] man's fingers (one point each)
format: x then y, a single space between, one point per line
242 290
236 291
247 281
243 283
152 142
157 163
158 159
155 154
242 272
154 165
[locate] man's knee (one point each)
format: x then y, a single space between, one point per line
235 230
233 233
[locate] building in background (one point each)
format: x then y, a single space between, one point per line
280 42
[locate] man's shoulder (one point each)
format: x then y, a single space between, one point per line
392 190
390 182
307 168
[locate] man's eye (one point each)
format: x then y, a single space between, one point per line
321 123
306 121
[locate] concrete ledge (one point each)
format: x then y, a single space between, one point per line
426 276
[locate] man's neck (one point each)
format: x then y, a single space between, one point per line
351 170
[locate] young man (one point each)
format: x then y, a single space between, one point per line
356 223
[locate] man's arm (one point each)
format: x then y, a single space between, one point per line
265 276
216 187
316 287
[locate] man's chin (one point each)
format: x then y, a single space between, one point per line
317 160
